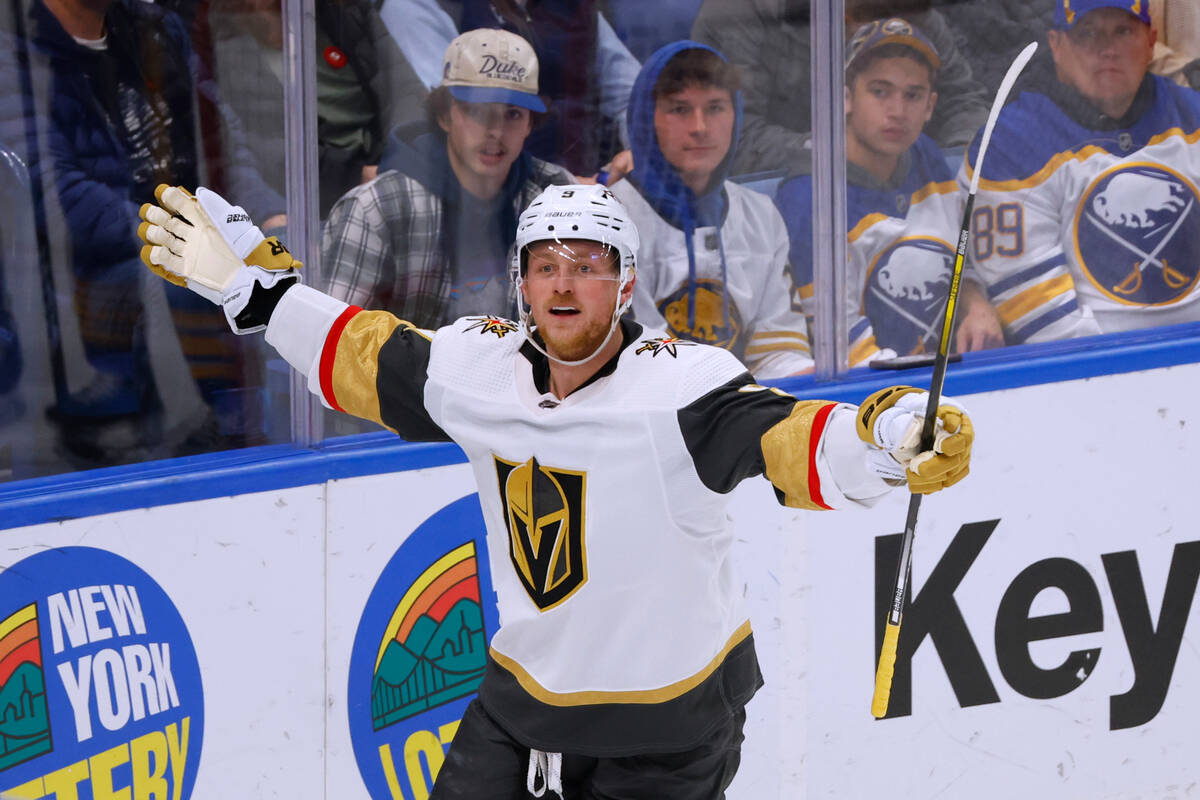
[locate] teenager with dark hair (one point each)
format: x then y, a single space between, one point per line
714 253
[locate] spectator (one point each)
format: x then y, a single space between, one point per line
365 87
586 71
714 254
428 239
770 40
1177 51
903 206
1086 218
113 90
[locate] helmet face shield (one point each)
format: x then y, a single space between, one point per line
580 232
575 259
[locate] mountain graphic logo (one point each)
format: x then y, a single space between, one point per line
24 722
434 649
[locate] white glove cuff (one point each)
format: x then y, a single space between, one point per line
299 326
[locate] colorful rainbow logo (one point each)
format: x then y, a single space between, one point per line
24 724
434 648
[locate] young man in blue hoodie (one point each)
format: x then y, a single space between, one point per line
713 261
428 239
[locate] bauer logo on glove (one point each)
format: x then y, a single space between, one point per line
203 243
891 420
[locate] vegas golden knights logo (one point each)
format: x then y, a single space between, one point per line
543 510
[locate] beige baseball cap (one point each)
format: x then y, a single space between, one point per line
488 65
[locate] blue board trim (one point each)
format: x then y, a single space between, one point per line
261 469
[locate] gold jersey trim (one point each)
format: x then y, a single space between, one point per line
356 362
1013 309
788 449
644 696
1083 154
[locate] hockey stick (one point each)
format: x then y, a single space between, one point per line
891 633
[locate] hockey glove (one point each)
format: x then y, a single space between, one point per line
891 420
203 243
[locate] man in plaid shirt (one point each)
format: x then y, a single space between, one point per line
428 239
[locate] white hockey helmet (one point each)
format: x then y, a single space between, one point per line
575 211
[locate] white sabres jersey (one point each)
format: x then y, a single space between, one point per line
900 252
1080 230
745 306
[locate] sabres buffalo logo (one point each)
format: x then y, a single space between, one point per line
497 325
705 315
543 510
1137 235
905 293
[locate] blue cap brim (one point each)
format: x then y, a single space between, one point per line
1081 8
479 94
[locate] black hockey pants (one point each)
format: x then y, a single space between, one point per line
485 763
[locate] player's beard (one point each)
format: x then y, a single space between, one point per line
576 345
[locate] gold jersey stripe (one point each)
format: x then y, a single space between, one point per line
780 335
645 696
760 349
356 362
932 188
788 448
863 225
867 347
1083 154
1012 310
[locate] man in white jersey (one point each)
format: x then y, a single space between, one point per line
1087 217
604 455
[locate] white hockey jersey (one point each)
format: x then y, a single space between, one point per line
622 629
1083 224
745 306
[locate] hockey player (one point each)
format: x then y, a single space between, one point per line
603 453
1086 220
903 206
714 254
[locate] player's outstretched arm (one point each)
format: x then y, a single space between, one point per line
203 243
890 421
211 247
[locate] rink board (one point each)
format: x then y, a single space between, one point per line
1049 664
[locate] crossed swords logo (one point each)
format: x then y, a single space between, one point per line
1132 283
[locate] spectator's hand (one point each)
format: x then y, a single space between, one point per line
277 222
979 326
203 243
620 166
891 420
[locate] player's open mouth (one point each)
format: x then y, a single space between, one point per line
563 311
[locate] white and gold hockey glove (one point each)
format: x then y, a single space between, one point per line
203 243
891 420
